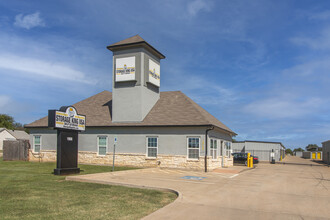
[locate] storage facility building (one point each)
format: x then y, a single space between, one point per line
326 152
262 149
152 128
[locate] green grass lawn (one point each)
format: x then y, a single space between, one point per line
29 190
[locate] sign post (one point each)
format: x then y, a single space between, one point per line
67 123
114 151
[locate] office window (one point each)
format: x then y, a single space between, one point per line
102 145
228 149
36 143
152 147
214 148
193 148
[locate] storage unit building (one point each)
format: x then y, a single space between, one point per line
326 152
262 149
315 155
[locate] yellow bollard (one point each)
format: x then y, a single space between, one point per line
281 158
251 163
248 160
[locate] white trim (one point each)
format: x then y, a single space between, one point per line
214 140
98 146
199 147
33 147
151 147
228 155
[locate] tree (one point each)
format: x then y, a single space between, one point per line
313 147
288 151
7 121
298 149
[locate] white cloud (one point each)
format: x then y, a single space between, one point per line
203 90
43 68
284 137
315 70
197 6
321 42
283 107
324 15
29 21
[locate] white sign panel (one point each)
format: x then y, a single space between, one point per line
70 120
125 69
154 73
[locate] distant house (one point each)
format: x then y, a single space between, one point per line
7 134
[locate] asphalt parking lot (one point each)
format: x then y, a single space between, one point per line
295 190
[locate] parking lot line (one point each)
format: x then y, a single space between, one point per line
182 180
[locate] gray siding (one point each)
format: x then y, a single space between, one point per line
260 149
48 138
326 152
133 100
171 140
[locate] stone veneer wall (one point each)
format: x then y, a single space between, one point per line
44 156
137 160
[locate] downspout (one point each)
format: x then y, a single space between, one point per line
206 133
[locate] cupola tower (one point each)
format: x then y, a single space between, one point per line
135 80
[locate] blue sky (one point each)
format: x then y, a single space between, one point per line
261 67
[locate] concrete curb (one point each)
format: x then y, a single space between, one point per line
179 195
78 179
248 169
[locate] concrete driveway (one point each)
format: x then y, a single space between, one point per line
269 191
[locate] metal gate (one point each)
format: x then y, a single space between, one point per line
263 155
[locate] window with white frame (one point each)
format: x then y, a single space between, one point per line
193 148
102 142
214 148
152 146
36 143
228 149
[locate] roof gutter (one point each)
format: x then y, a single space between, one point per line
206 134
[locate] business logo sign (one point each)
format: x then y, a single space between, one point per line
66 118
125 69
154 73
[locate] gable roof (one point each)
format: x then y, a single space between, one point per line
133 42
172 109
18 134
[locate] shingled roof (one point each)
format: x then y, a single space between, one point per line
134 42
172 109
